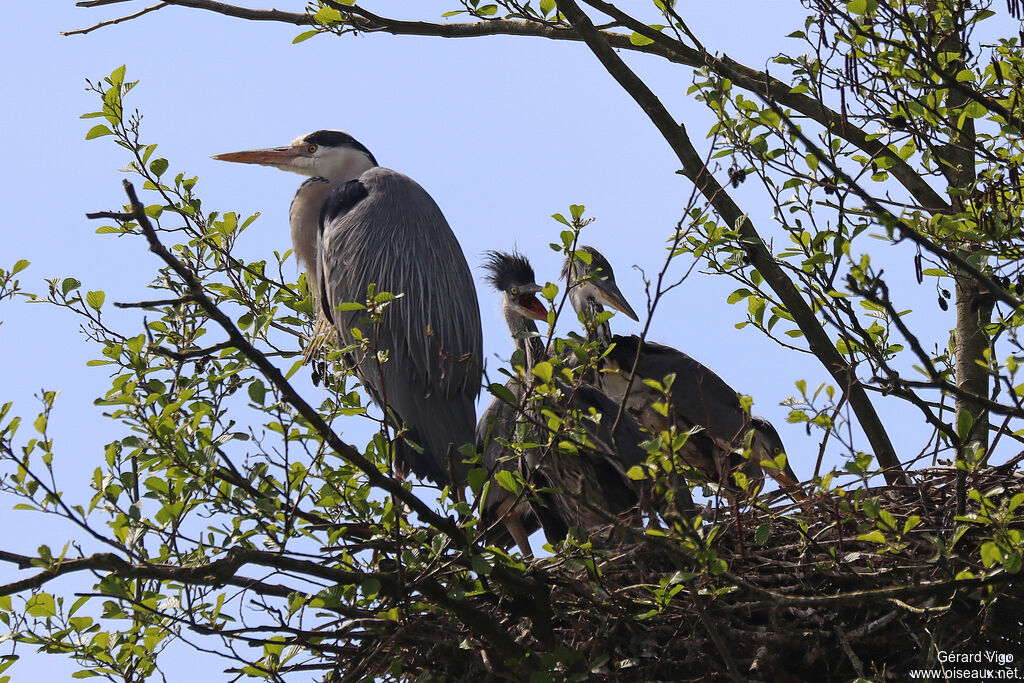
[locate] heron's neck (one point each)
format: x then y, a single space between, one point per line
531 345
304 217
309 200
589 308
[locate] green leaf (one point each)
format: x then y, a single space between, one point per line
69 284
964 422
639 40
41 605
19 266
98 131
739 295
861 6
990 553
257 392
975 110
117 76
481 565
504 393
370 588
158 166
561 219
546 6
507 481
305 35
328 16
476 479
544 371
84 673
935 272
95 299
887 520
488 10
875 536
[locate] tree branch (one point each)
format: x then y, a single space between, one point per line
754 247
111 22
515 584
663 46
237 339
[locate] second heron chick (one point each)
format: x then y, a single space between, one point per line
577 456
697 397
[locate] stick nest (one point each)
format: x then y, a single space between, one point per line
811 594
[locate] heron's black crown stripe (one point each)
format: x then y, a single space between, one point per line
337 138
506 270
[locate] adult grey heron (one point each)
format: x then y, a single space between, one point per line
699 397
583 464
353 224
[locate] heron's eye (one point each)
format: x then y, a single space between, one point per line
776 450
514 291
311 149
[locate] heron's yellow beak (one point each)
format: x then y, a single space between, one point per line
271 156
613 297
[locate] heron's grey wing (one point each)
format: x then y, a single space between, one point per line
619 490
592 482
628 453
699 396
498 422
395 236
342 199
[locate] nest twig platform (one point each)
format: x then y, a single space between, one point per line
844 590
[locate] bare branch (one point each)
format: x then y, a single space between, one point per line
754 247
111 22
663 46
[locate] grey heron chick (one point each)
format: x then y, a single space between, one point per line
585 465
353 224
699 397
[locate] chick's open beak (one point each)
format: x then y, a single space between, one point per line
528 301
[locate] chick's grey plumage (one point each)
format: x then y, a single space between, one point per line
354 223
592 487
513 276
699 396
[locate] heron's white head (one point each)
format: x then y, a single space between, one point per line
330 154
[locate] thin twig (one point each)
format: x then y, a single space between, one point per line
111 22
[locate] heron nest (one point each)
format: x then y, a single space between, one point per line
844 589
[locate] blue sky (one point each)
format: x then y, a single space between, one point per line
503 132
